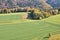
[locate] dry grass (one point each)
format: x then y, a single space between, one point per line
35 38
24 16
55 37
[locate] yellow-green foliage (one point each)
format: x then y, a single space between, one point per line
54 12
38 14
46 14
41 13
7 10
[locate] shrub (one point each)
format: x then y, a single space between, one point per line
37 14
46 14
24 16
54 12
59 11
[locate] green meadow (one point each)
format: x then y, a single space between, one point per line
13 28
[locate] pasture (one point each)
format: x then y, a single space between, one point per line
13 28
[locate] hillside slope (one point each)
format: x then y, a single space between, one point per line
29 29
31 3
54 3
25 3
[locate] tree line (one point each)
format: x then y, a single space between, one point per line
35 13
15 9
41 14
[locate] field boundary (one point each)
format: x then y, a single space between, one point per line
13 13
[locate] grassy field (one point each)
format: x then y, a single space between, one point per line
13 28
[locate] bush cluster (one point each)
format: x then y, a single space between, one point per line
40 14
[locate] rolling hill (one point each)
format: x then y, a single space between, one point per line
17 29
